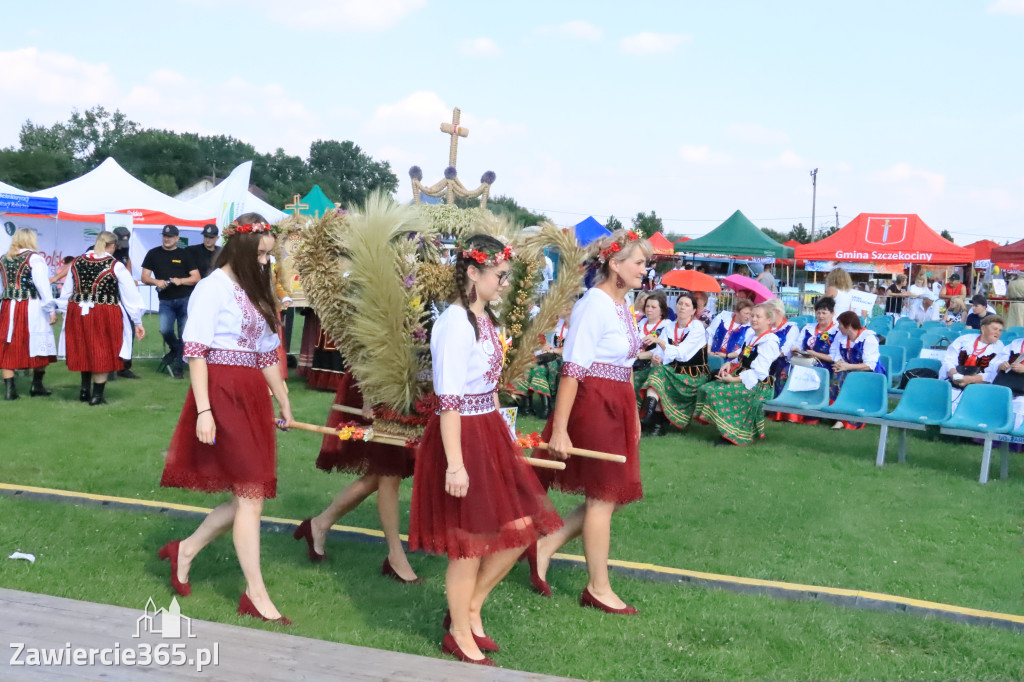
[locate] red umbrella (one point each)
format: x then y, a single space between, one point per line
691 280
741 283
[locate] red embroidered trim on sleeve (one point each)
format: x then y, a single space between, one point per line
449 402
268 359
577 372
196 350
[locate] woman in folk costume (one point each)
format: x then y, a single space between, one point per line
473 497
671 390
855 349
733 402
542 378
729 330
381 469
789 336
654 325
814 345
974 358
27 314
1010 373
225 440
596 409
97 295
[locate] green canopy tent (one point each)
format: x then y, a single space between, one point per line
737 236
317 203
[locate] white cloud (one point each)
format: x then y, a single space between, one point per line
652 43
579 30
902 173
693 153
342 15
480 47
1006 7
790 159
756 133
421 111
52 78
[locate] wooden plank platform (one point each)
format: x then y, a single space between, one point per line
65 625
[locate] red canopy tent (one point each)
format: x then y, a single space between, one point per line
1004 254
661 244
788 262
982 249
886 237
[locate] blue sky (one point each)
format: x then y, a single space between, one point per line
690 109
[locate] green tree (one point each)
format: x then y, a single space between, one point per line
799 233
613 223
507 206
219 154
87 138
348 174
36 169
161 155
777 236
647 224
946 235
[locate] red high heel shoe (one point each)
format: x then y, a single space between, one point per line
451 647
387 571
247 608
540 586
305 530
485 643
170 551
587 599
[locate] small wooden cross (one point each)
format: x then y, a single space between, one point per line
296 206
456 131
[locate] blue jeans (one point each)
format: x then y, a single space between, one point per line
171 311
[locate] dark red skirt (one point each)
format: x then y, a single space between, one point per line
320 362
243 459
92 342
604 417
15 355
506 506
359 457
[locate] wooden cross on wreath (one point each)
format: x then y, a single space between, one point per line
296 206
456 131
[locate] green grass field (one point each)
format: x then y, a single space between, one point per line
808 506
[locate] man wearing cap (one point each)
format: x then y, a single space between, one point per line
980 309
954 287
205 255
174 273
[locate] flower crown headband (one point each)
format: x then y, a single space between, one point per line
616 246
250 228
485 257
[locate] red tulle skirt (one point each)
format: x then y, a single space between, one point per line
604 417
505 507
243 458
359 457
93 342
15 355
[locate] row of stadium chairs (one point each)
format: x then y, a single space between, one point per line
984 411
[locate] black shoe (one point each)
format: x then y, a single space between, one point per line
177 373
84 395
545 407
128 374
523 405
97 399
10 390
647 411
39 390
658 428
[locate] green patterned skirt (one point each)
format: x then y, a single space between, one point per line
640 380
677 393
542 379
736 412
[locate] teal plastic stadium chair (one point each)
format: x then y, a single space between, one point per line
905 323
933 324
984 408
895 337
935 338
925 401
1019 331
913 348
897 357
715 363
805 400
864 394
923 363
957 328
917 332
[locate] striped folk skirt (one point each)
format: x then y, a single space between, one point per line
676 392
734 410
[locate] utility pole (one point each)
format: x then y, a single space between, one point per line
814 198
836 209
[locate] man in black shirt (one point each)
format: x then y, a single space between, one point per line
979 310
174 273
205 255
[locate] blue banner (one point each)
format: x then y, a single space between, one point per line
24 203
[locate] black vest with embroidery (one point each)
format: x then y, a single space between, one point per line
747 359
95 281
696 366
17 274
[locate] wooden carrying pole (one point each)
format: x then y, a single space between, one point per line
398 441
578 452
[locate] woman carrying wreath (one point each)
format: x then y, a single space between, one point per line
733 403
225 440
671 389
596 409
473 497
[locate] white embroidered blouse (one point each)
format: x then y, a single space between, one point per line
225 328
466 369
603 339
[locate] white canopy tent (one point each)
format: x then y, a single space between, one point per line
231 198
